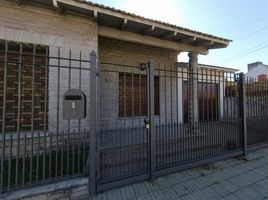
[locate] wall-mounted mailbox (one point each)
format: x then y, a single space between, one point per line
74 105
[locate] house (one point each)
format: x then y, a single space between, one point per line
116 37
257 71
72 68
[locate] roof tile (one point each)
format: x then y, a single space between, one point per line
152 20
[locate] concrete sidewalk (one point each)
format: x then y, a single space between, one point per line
230 179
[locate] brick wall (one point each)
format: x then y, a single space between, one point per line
13 74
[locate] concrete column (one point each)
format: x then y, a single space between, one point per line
193 87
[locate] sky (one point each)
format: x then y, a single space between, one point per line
243 21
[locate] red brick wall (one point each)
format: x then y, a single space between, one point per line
12 96
262 77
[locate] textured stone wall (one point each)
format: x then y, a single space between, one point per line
32 24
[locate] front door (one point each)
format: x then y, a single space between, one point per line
207 101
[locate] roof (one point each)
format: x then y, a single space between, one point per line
257 63
124 21
152 20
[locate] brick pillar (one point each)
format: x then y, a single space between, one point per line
193 87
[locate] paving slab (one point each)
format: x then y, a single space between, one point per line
231 179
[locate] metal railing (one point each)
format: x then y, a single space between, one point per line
132 147
37 145
42 157
257 111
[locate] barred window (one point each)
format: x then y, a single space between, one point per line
133 95
24 67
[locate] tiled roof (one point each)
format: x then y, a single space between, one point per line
151 20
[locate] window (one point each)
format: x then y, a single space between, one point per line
26 76
133 95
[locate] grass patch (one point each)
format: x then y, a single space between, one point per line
54 165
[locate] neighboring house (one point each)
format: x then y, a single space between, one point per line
257 71
257 79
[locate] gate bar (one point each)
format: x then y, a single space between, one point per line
152 137
4 121
242 107
93 124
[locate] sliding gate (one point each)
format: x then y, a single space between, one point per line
145 129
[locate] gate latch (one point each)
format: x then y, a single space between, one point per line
146 123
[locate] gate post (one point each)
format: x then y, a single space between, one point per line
152 137
93 122
243 110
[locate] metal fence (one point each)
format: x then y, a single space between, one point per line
140 121
257 111
146 126
37 144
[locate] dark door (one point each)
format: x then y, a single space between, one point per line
207 101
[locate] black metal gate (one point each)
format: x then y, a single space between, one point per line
126 115
143 130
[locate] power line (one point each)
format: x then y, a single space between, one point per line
251 33
242 25
255 50
252 48
243 52
246 52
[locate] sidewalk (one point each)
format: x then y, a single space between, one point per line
230 179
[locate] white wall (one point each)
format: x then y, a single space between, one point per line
254 73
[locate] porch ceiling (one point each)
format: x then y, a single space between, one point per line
123 21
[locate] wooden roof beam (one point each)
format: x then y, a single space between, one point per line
149 30
188 39
204 43
170 35
57 7
95 16
124 24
